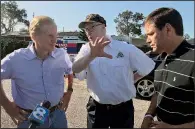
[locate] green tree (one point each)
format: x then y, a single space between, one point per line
129 23
142 36
82 35
11 15
186 36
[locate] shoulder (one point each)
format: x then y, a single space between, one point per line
189 51
60 52
85 48
124 46
17 53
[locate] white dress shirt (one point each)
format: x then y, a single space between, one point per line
111 81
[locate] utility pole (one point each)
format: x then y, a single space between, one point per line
33 14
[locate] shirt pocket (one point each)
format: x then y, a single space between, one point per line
117 68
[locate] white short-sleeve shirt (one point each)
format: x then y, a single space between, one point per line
111 81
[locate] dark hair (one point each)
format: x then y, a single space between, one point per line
164 15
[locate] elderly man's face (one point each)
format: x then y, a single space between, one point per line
47 37
94 30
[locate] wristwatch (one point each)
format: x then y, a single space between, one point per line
70 89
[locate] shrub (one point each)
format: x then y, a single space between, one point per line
8 45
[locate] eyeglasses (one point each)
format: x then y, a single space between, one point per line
90 29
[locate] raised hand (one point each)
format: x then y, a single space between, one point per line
97 47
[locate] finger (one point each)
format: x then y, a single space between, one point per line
90 44
60 107
96 40
19 122
22 112
65 109
14 120
107 55
21 118
105 43
101 39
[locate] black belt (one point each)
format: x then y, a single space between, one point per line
52 109
110 106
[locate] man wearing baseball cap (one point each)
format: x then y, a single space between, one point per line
108 67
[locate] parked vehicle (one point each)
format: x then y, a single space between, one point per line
145 86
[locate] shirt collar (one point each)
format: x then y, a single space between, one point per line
111 41
32 53
177 52
179 49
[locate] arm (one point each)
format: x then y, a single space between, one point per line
140 62
148 119
186 125
137 77
5 74
84 51
83 59
4 101
82 63
10 107
153 104
70 81
67 95
68 70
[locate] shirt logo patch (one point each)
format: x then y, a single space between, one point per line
174 79
120 54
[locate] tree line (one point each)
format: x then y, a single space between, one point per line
127 22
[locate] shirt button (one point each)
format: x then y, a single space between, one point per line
48 94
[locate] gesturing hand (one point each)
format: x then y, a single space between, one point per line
97 48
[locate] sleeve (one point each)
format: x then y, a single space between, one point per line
6 70
83 52
140 62
68 68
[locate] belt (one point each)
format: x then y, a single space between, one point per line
52 109
110 106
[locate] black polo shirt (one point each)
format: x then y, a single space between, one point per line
175 85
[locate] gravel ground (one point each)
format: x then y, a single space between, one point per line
76 113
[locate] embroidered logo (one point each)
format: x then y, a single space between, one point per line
120 54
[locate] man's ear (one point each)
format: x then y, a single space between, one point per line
168 29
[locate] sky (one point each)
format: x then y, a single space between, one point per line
69 14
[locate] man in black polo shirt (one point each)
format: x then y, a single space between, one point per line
173 101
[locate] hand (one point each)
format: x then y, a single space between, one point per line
16 112
65 99
147 122
160 124
97 48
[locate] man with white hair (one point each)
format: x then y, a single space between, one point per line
37 74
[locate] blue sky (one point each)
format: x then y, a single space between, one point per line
69 14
